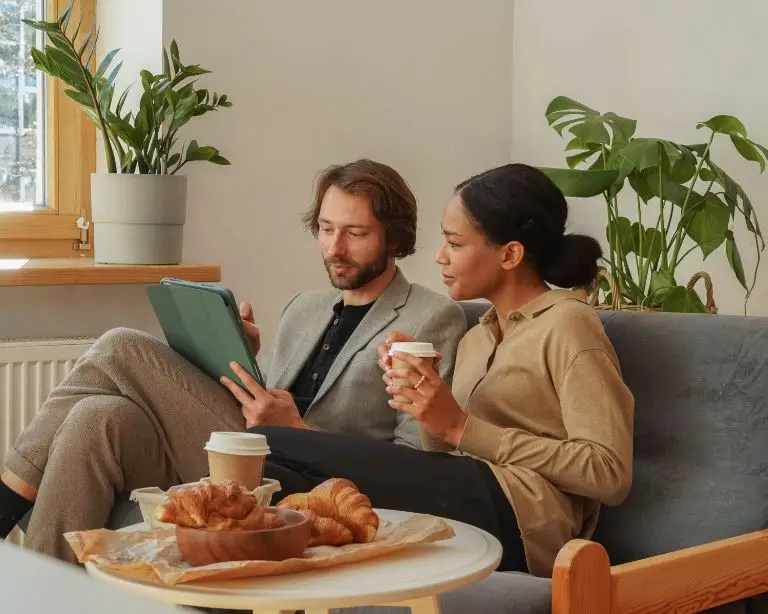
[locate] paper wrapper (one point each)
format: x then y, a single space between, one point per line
153 556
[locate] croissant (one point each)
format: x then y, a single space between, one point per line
257 520
327 531
334 505
187 508
230 499
216 507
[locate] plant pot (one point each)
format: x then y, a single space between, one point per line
618 305
138 219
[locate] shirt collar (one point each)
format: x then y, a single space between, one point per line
538 305
340 306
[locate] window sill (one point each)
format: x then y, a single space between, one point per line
83 271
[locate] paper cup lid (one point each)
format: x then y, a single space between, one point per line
243 444
417 348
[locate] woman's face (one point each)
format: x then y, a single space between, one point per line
471 266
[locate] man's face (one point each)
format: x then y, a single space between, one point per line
352 241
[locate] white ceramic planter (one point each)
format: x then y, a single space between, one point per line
138 219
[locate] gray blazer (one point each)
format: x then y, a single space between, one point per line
353 397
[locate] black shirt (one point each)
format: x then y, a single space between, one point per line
340 328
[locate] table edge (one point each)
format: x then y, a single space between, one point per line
210 599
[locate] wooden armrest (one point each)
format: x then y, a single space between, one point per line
688 580
581 579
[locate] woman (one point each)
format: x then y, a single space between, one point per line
537 431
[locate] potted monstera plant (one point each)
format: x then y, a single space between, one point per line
139 203
664 200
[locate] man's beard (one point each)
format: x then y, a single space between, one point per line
358 276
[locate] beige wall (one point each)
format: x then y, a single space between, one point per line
426 87
72 311
422 86
667 64
139 42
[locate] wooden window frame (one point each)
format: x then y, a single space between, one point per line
70 160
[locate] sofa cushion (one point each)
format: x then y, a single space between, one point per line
701 431
473 310
124 513
499 593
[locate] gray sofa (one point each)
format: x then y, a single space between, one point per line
701 452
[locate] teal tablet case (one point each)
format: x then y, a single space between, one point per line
201 325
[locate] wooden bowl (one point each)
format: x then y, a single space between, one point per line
201 547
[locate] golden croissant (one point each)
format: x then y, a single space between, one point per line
339 512
327 531
216 507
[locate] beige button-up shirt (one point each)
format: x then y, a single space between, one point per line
549 412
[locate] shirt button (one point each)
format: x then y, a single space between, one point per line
336 321
326 347
314 376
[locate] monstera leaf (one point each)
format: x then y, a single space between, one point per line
681 201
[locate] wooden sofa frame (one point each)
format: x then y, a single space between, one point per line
688 580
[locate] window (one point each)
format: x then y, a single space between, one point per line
47 145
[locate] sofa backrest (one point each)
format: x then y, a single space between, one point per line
701 430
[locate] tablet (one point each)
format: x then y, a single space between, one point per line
202 323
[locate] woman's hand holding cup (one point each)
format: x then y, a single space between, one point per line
402 371
385 360
418 390
385 353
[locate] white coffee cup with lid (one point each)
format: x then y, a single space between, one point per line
421 349
239 457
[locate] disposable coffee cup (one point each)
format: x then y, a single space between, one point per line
415 348
239 457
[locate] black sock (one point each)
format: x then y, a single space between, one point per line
12 509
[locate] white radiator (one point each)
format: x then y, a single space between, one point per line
29 370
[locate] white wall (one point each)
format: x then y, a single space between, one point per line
426 87
423 86
73 311
136 29
667 64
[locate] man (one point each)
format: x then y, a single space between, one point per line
133 413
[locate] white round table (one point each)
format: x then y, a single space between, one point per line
412 578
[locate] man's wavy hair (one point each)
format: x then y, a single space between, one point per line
393 202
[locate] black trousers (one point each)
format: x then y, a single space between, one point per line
397 477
